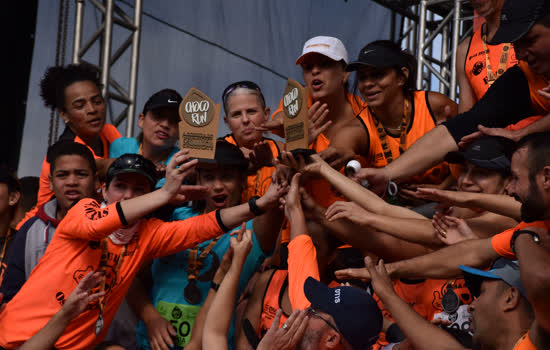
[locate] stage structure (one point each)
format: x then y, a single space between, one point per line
431 30
113 90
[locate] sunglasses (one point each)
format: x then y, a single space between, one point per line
313 312
241 84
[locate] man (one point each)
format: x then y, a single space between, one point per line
10 194
522 91
113 239
72 177
339 318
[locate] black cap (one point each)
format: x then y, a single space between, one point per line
227 155
133 163
517 17
487 152
379 55
354 311
163 98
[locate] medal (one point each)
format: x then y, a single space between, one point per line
192 293
99 324
450 301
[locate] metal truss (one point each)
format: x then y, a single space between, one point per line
112 90
431 30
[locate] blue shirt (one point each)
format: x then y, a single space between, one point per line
170 277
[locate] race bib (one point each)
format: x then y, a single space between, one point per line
460 319
182 317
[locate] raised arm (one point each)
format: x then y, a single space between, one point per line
268 225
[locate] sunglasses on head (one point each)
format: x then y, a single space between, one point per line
241 84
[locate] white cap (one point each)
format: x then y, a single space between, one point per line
328 46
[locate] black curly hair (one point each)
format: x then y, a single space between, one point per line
57 78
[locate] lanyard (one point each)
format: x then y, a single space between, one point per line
195 262
491 77
383 136
5 246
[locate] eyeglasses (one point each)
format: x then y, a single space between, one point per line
311 310
241 84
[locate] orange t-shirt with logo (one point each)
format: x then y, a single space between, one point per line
501 242
74 251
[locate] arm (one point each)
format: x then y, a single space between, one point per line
351 140
422 334
219 316
268 225
467 97
442 107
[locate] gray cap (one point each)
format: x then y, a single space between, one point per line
503 269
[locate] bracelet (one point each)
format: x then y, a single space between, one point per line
214 286
517 233
254 207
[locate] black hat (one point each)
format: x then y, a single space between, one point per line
227 155
517 17
487 152
163 98
133 163
503 269
354 311
379 54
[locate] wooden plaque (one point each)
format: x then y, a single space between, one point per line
296 119
198 128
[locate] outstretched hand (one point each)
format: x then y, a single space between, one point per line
451 230
177 170
380 280
348 210
317 114
378 179
261 155
292 201
288 336
241 243
82 295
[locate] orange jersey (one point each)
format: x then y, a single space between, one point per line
76 250
525 343
475 65
258 183
107 136
422 121
501 242
272 301
541 105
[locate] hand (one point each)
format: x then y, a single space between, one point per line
82 295
261 155
176 171
295 164
451 230
545 92
241 244
189 193
378 179
160 331
317 115
350 211
380 280
285 338
466 141
275 126
314 166
292 202
161 171
282 174
337 157
360 273
271 197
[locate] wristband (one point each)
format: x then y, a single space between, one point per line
517 233
254 207
214 286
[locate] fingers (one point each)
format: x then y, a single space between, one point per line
353 273
241 231
297 324
276 320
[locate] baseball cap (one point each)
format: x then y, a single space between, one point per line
354 311
487 152
163 98
133 163
227 155
328 46
379 54
517 17
503 269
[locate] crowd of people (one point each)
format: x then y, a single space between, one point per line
413 222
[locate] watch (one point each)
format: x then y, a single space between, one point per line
254 207
517 233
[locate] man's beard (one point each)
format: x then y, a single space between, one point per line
532 209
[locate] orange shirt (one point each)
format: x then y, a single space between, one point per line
475 65
76 250
258 183
525 343
541 105
272 301
501 242
107 135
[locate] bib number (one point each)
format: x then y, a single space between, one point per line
182 317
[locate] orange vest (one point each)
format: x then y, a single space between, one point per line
541 105
525 343
475 63
421 122
258 183
272 301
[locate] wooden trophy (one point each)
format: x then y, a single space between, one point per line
198 128
296 118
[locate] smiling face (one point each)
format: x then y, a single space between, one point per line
534 48
84 109
480 180
160 127
484 315
380 86
323 76
225 185
245 112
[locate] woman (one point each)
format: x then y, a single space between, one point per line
159 125
75 92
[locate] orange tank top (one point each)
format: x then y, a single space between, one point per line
525 343
272 301
421 121
541 105
258 183
475 65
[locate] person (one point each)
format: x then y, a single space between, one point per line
114 240
245 112
522 91
10 194
29 190
159 124
478 63
74 92
339 318
72 177
159 289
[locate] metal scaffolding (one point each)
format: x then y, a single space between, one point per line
431 30
112 89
